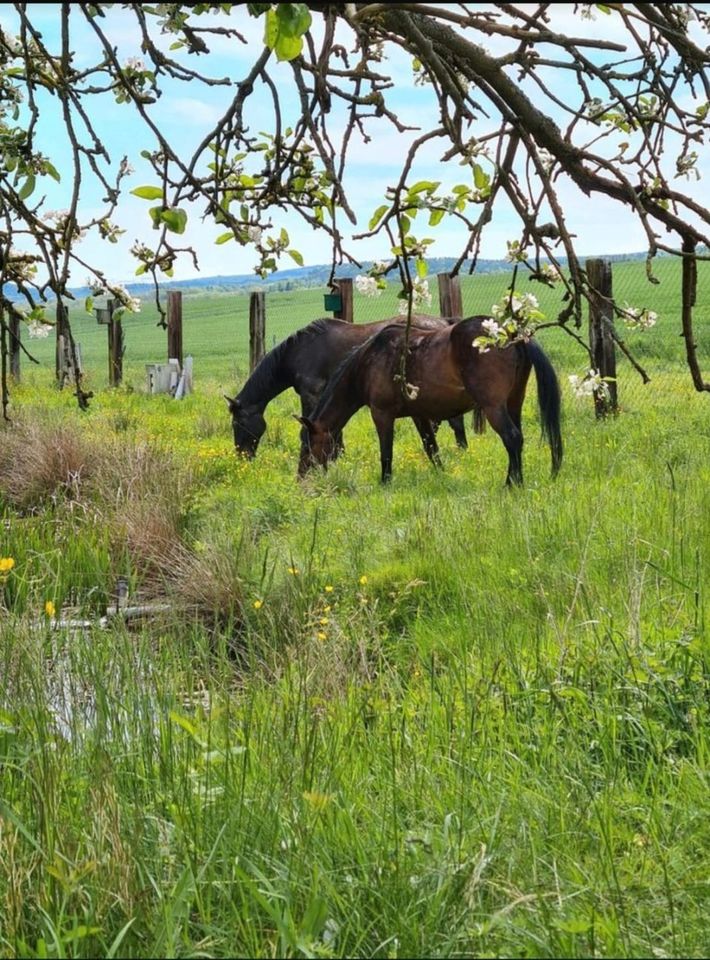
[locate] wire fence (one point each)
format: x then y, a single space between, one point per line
659 351
216 328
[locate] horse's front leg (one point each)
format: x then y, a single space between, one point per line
427 431
384 424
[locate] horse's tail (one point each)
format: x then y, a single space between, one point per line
479 420
549 400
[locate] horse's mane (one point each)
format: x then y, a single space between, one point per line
268 371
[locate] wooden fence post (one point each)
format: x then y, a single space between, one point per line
115 347
15 348
257 327
60 330
345 287
601 327
175 326
450 303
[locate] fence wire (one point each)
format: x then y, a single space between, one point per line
660 351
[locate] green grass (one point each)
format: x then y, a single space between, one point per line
440 718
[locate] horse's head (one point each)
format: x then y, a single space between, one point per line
318 446
248 426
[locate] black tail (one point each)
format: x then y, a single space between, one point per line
479 420
549 400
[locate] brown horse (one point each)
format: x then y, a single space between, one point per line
305 361
445 376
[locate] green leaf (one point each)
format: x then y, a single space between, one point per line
287 48
27 187
174 219
480 177
224 237
428 185
422 267
141 269
52 171
295 255
148 193
271 29
405 224
377 216
89 304
284 237
156 216
436 216
294 18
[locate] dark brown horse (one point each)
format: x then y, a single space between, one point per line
445 376
305 361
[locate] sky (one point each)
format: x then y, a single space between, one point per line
186 111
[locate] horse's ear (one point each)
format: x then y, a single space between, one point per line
304 421
232 403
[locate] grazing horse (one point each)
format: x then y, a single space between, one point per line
305 361
445 376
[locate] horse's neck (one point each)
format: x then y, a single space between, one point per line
267 382
341 405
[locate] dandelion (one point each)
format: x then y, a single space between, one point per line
328 588
49 608
363 580
258 604
6 564
322 636
323 621
294 571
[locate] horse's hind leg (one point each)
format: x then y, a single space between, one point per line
384 423
457 425
427 431
512 438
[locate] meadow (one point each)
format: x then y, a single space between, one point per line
438 718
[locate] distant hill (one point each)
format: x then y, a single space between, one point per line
315 276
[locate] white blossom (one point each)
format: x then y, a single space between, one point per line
551 273
367 286
135 63
590 385
420 295
516 253
254 233
38 331
55 215
636 319
586 12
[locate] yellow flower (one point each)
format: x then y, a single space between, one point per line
328 588
258 604
49 608
6 564
323 621
294 571
322 636
363 581
326 609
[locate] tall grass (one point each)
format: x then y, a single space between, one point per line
441 718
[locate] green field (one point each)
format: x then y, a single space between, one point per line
216 326
439 718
